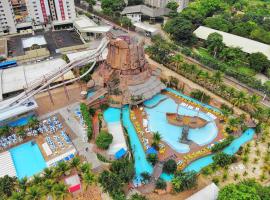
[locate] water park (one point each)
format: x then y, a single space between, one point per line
141 134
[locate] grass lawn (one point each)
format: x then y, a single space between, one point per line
267 83
246 71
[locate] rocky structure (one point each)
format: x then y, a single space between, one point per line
126 75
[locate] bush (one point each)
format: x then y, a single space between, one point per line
161 184
152 158
223 159
201 96
87 119
221 145
104 140
184 180
169 166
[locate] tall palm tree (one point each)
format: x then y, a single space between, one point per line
22 183
217 77
48 173
240 99
156 138
34 193
177 60
85 167
88 179
253 102
75 162
47 186
61 168
60 191
17 196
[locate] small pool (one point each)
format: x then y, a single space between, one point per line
27 159
197 165
112 115
20 122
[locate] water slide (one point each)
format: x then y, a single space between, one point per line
44 82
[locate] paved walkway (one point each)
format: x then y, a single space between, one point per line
168 72
80 142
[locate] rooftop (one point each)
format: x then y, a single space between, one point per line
84 24
16 78
3 47
151 12
247 45
29 42
210 192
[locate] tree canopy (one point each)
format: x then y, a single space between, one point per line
184 180
104 140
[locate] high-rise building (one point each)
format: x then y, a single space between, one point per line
44 11
39 12
163 3
7 17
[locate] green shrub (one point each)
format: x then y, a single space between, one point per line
152 158
161 184
104 140
221 145
169 166
87 119
222 159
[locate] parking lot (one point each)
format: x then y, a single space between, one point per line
54 39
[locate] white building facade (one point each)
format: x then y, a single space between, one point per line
163 3
7 17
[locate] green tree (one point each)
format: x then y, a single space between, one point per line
259 62
152 158
60 191
125 21
180 29
156 139
91 3
240 99
215 43
88 179
34 193
85 168
177 60
217 77
222 159
173 5
104 140
145 177
184 180
7 185
113 7
47 186
170 166
61 168
218 22
137 197
124 169
75 162
17 196
161 184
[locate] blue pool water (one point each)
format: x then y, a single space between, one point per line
171 134
27 159
193 100
20 122
231 149
112 115
155 100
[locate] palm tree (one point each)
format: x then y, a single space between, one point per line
34 193
156 139
88 179
177 60
61 168
33 122
217 77
22 183
85 167
17 196
48 185
75 163
240 99
48 173
59 191
253 102
37 180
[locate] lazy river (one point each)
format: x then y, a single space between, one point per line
141 163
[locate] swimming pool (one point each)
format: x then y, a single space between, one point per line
155 100
20 122
171 134
197 165
27 159
112 115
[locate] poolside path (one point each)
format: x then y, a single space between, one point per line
167 72
84 148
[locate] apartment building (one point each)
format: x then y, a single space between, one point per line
45 11
39 12
162 3
7 17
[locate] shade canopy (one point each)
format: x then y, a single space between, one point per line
119 154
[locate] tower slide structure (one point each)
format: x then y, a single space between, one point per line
43 83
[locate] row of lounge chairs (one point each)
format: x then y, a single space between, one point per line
6 142
189 106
